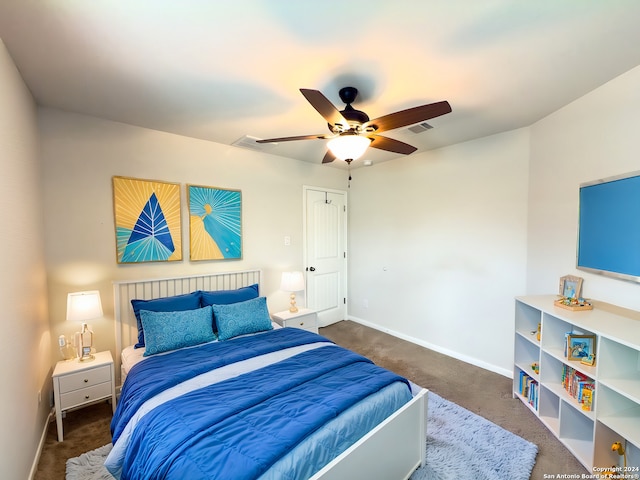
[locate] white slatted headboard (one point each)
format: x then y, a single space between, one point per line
125 291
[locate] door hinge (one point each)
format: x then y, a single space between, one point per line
344 300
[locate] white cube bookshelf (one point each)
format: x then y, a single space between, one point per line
615 410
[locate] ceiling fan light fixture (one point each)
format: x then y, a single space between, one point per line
352 132
348 146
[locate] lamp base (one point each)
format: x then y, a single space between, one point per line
84 344
293 308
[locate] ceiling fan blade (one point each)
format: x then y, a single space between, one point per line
391 145
320 136
409 117
324 107
328 157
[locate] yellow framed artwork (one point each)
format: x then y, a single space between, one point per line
215 223
147 220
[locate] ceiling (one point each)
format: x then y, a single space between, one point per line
220 70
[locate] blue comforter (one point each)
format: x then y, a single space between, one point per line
158 373
236 429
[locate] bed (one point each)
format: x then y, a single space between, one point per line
254 401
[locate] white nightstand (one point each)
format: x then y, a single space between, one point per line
304 318
77 384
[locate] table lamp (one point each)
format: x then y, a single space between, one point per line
292 282
83 306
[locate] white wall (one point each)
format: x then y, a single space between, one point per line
24 357
439 242
81 155
594 137
438 246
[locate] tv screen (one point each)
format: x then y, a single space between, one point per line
609 227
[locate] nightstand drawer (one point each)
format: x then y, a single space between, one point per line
305 319
303 323
86 378
85 395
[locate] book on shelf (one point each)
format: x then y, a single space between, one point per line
529 389
579 386
566 343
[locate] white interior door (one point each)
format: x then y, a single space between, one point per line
326 253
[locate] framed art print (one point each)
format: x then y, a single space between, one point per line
147 220
580 346
215 223
570 286
589 360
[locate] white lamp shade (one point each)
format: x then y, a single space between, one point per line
348 146
83 306
292 282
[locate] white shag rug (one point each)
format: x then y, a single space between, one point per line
461 444
90 465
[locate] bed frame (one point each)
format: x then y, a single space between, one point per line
393 449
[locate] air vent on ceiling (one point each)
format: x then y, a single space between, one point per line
251 142
420 127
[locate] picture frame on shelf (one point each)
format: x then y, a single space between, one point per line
589 360
581 346
570 286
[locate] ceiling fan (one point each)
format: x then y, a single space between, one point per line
352 132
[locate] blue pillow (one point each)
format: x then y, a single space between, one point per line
241 318
177 303
166 331
225 297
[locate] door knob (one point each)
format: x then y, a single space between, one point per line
312 269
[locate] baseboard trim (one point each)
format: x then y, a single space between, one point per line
43 437
435 348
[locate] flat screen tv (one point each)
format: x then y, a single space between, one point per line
609 227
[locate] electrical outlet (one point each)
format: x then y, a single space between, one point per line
287 240
365 303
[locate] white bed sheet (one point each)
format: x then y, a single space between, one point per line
130 356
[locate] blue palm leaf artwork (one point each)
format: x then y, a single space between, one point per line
147 218
215 220
150 239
